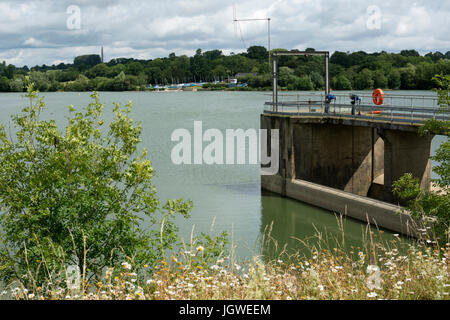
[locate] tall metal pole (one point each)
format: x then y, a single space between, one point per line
268 40
327 75
326 54
275 84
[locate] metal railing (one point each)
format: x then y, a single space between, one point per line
412 109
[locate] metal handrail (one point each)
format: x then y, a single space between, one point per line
388 112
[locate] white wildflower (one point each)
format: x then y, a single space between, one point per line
374 279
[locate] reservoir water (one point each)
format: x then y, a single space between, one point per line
225 197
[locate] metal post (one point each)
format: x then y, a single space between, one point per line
327 76
268 40
275 84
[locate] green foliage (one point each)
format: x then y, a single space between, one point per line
442 83
380 80
407 70
257 52
87 61
304 83
432 207
4 84
210 248
394 79
78 196
342 83
363 80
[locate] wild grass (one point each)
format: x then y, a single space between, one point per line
378 270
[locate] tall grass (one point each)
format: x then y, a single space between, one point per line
377 270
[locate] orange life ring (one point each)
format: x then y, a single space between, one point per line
378 96
375 112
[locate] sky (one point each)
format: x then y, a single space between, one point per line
36 32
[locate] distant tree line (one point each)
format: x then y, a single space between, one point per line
357 70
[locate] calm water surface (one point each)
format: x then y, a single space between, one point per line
225 197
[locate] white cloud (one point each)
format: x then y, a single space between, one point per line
35 32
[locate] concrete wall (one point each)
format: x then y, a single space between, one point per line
406 152
357 160
335 156
378 213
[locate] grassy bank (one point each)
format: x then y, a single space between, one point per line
380 272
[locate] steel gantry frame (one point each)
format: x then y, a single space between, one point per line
275 56
268 31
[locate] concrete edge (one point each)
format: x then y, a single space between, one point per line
376 212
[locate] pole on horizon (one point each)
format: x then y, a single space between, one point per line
268 39
327 74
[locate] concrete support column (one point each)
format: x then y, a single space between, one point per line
287 161
286 170
406 152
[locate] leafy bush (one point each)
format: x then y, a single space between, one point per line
432 207
77 197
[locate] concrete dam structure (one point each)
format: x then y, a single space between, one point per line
348 165
343 152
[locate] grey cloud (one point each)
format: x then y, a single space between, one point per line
35 32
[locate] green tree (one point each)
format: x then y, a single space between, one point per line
286 76
4 84
40 80
380 80
78 196
17 84
87 61
133 68
408 77
340 58
100 70
119 83
318 80
394 79
409 53
363 80
257 52
304 83
342 83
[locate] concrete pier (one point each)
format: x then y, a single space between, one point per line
348 166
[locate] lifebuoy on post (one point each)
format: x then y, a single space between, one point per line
378 96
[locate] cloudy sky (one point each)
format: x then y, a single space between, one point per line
49 32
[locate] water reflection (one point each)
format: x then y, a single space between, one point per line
292 224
